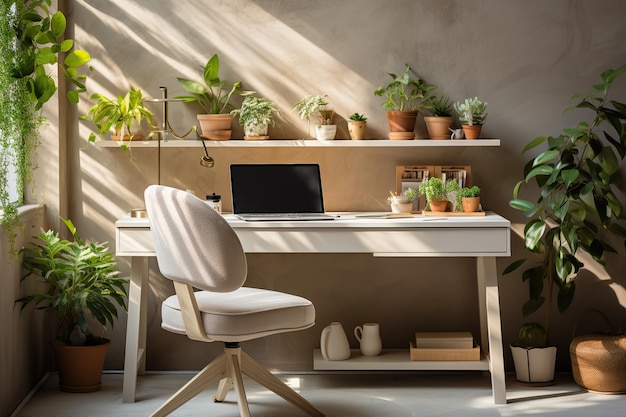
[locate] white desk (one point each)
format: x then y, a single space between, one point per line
484 238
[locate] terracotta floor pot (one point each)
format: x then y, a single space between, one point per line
80 367
216 126
472 132
438 127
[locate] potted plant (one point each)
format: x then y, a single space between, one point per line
356 126
440 119
470 198
255 116
437 193
575 205
119 115
315 106
402 203
404 96
472 114
81 284
214 98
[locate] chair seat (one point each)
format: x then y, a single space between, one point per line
244 314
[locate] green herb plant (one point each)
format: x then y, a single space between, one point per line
470 192
404 93
435 189
439 106
356 117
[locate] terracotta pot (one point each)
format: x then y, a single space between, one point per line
472 132
80 367
357 129
470 204
401 121
438 127
250 137
438 205
216 126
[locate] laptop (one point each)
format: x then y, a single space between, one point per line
277 192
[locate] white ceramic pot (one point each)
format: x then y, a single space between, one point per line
325 132
534 365
368 336
334 343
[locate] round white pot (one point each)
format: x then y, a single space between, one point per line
325 132
534 365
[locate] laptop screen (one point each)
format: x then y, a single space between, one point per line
276 188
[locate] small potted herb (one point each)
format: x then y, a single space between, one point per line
470 198
440 119
437 193
357 125
472 114
255 116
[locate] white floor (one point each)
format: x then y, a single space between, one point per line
337 395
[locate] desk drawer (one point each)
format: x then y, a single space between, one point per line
134 242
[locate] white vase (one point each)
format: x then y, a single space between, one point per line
325 132
534 365
334 343
368 336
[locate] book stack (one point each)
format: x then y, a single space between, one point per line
444 346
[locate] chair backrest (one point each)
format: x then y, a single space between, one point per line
193 242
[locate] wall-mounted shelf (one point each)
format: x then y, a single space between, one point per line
339 143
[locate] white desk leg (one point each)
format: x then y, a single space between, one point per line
135 359
490 325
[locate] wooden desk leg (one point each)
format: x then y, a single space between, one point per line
490 325
135 359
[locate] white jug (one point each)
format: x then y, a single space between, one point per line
368 336
334 343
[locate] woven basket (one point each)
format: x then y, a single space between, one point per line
599 362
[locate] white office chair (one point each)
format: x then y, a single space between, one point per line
197 248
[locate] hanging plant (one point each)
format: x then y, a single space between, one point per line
31 38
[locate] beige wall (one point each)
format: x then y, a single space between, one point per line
526 59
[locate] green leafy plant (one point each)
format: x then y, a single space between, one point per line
213 96
32 38
81 283
404 92
472 111
576 177
435 189
118 115
439 106
313 106
356 117
410 194
255 114
470 192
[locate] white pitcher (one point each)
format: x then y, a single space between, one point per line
334 343
368 336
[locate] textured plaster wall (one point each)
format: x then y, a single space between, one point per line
526 59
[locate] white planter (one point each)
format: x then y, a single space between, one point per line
325 132
534 365
255 130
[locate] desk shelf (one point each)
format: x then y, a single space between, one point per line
394 360
311 143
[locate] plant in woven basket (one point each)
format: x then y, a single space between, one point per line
575 206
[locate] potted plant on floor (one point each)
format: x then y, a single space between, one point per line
315 107
357 125
573 207
440 119
81 284
472 114
437 194
404 96
255 116
119 116
470 199
214 98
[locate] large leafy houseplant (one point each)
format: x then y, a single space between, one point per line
404 92
81 282
576 176
119 115
32 37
